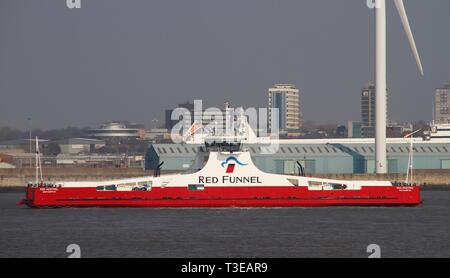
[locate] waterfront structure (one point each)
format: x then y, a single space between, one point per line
438 131
285 98
442 105
20 146
368 110
6 161
354 129
356 155
117 130
79 145
156 134
96 160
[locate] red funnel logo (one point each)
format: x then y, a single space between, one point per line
230 168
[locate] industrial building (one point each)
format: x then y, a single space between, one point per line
79 145
352 155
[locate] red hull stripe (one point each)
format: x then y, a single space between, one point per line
251 196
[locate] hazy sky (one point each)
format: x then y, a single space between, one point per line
131 59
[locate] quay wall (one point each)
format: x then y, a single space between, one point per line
21 176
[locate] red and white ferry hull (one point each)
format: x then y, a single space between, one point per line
266 196
226 180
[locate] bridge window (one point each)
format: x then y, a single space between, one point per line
196 187
336 186
314 183
111 187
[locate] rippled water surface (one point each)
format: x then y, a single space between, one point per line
285 232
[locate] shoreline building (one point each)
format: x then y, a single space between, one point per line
354 129
318 156
442 105
368 102
285 98
330 155
117 131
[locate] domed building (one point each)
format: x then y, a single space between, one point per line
118 130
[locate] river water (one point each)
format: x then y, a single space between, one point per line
422 231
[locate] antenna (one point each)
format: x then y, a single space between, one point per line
38 163
433 110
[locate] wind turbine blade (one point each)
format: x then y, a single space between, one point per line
404 17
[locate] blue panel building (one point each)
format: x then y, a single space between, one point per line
353 155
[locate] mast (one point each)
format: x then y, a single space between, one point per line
409 173
37 160
38 163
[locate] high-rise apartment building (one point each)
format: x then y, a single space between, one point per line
368 114
442 105
285 98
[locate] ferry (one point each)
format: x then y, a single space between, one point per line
228 178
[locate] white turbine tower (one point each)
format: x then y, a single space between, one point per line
380 100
